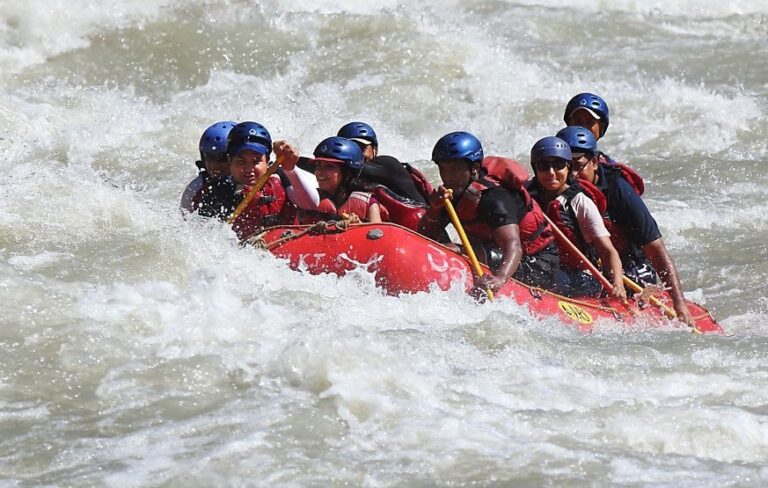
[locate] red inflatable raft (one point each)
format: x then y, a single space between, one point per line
406 262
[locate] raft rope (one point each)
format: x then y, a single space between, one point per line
339 226
322 227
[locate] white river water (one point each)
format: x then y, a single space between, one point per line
141 349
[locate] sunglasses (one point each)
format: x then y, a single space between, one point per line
555 164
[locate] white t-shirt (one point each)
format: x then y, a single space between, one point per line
588 216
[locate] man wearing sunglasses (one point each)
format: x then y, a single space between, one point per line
634 231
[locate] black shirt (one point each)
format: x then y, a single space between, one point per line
499 207
388 171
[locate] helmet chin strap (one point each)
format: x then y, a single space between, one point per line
474 174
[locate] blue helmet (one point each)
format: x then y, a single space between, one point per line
214 140
339 149
458 145
249 135
579 139
359 130
550 147
595 104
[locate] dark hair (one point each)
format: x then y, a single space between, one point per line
350 182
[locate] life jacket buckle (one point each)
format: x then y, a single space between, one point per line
536 293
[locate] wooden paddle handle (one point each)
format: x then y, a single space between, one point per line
465 242
255 190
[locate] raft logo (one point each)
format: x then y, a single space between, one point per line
575 312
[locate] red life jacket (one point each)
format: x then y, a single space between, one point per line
535 233
401 211
564 218
421 181
505 170
614 169
358 203
611 172
268 208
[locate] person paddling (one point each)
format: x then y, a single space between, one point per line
506 227
248 148
634 230
575 213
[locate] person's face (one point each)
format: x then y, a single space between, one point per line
585 167
216 167
369 152
247 166
456 174
552 173
585 119
328 176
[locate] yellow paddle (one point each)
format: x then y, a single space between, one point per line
639 289
255 190
602 279
563 239
465 242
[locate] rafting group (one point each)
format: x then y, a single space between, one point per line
581 208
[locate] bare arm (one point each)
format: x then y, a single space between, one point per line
662 261
508 239
609 255
303 189
374 214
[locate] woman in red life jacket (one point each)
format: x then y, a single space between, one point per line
399 187
210 194
249 146
576 215
506 227
634 230
337 165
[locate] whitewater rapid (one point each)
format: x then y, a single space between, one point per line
140 348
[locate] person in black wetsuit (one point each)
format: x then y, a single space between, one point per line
210 193
380 169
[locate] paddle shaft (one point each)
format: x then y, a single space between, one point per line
599 276
562 239
255 190
639 289
465 242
